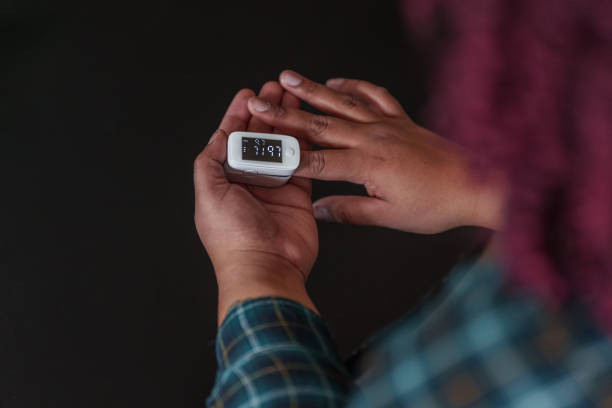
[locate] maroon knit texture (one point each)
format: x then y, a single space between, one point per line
527 87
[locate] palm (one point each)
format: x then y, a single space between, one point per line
276 221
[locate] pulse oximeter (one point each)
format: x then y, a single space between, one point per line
261 159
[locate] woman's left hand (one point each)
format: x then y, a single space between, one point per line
262 241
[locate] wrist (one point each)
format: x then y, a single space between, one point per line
489 202
254 274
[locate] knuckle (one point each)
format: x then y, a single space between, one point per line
349 101
384 131
358 83
377 160
364 86
310 87
199 161
360 168
318 124
316 164
382 91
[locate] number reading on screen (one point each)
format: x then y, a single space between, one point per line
262 149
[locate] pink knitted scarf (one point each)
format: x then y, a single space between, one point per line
527 86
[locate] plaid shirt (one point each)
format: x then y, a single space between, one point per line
473 344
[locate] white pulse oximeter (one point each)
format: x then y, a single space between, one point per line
261 159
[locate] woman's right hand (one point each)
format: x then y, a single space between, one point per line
416 180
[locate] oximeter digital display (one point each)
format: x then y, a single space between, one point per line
262 159
259 148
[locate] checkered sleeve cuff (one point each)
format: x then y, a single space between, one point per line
276 352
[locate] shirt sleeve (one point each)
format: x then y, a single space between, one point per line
274 352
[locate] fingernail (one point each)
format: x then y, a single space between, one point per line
290 78
259 104
335 82
322 213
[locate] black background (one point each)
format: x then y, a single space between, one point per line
110 299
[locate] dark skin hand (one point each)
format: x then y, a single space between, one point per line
416 180
262 241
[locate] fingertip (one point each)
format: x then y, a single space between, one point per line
258 105
244 93
271 87
335 83
272 92
322 213
289 78
286 72
322 202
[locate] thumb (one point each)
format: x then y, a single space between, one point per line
208 170
217 146
350 209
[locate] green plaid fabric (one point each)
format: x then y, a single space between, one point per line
275 352
474 344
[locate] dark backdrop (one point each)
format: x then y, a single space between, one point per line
110 298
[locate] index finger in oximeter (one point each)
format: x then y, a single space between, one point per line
263 159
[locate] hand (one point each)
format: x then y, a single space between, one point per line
262 241
416 180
